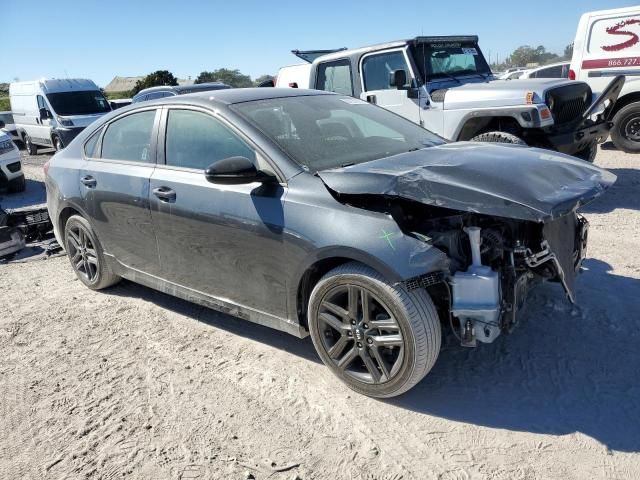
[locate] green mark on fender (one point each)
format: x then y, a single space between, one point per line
387 236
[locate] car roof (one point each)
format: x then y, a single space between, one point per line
240 95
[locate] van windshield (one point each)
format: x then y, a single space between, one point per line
78 103
449 59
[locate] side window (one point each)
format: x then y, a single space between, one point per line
90 145
41 102
154 95
376 69
196 140
335 77
129 138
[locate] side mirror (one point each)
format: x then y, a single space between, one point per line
45 114
398 79
236 171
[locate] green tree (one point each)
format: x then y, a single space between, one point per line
233 78
525 54
155 79
263 78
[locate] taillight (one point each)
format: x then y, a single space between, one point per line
572 74
45 167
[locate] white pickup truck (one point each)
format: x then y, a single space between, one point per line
446 85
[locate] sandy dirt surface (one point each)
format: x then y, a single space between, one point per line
132 383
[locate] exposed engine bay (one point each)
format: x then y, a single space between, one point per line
496 261
493 262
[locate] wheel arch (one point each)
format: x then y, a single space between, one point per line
66 212
482 124
308 276
627 99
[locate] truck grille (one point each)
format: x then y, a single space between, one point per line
568 103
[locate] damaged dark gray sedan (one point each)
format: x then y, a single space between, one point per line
317 213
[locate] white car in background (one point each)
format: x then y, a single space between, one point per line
11 174
512 74
553 70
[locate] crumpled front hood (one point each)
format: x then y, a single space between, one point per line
498 93
509 181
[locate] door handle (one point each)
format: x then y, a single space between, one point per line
371 99
88 181
165 194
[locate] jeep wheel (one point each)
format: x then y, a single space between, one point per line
498 137
379 338
85 255
588 154
626 129
30 147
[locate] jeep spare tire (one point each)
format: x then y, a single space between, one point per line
498 137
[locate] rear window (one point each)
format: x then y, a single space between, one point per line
335 77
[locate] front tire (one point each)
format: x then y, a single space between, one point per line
626 129
29 146
498 137
588 154
57 144
378 338
86 255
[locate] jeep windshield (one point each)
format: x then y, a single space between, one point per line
79 103
321 132
449 58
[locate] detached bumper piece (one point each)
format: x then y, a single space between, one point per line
33 222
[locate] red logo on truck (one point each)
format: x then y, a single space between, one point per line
616 30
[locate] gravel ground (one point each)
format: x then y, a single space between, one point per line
130 382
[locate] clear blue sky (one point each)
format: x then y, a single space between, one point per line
100 39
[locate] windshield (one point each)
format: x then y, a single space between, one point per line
78 103
7 118
447 59
327 131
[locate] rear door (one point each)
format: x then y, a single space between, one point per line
116 185
376 69
221 240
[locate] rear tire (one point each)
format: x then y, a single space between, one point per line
626 129
382 350
29 146
498 137
86 255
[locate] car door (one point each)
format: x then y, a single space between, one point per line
376 88
221 240
116 185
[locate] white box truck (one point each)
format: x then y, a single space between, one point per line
607 44
51 112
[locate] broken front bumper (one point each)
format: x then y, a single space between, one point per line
575 141
565 255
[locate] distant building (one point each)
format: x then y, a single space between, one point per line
123 84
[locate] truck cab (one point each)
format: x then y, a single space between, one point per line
445 85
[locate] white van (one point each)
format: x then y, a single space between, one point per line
607 44
51 112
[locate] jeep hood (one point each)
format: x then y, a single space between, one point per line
498 93
509 181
